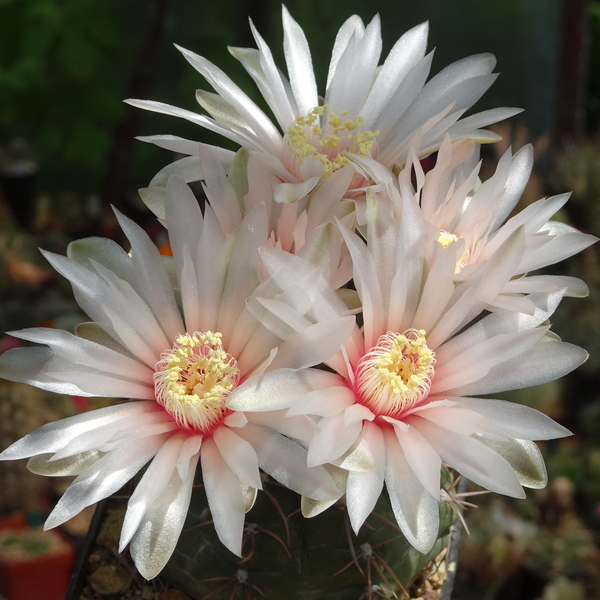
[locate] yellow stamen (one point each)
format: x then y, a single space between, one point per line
395 374
446 238
308 136
194 378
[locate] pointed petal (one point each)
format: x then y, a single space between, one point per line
415 509
156 537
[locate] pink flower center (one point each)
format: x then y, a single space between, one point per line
396 374
193 379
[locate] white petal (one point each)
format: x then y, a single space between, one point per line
525 458
471 458
333 439
363 489
156 537
224 495
56 435
421 457
299 64
239 456
151 486
278 389
104 477
285 461
415 509
516 420
546 361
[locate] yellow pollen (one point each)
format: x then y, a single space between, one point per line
194 378
446 238
327 141
396 374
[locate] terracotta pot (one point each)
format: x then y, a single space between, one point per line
41 574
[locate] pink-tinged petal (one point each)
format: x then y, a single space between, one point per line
515 420
290 193
421 457
299 64
298 428
190 448
243 273
476 362
325 402
363 489
151 486
156 537
278 389
212 268
368 287
220 192
415 509
130 338
357 412
104 477
285 461
50 438
520 169
316 344
239 456
546 361
471 458
437 290
333 439
475 297
235 419
224 495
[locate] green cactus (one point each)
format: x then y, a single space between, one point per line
288 556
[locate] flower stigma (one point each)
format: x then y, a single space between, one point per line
396 374
194 378
328 142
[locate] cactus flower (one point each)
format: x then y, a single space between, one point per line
176 368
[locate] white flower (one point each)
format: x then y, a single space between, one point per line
179 366
402 399
298 216
367 109
462 212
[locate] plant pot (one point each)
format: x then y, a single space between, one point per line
34 564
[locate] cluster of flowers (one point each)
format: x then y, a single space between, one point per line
220 349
